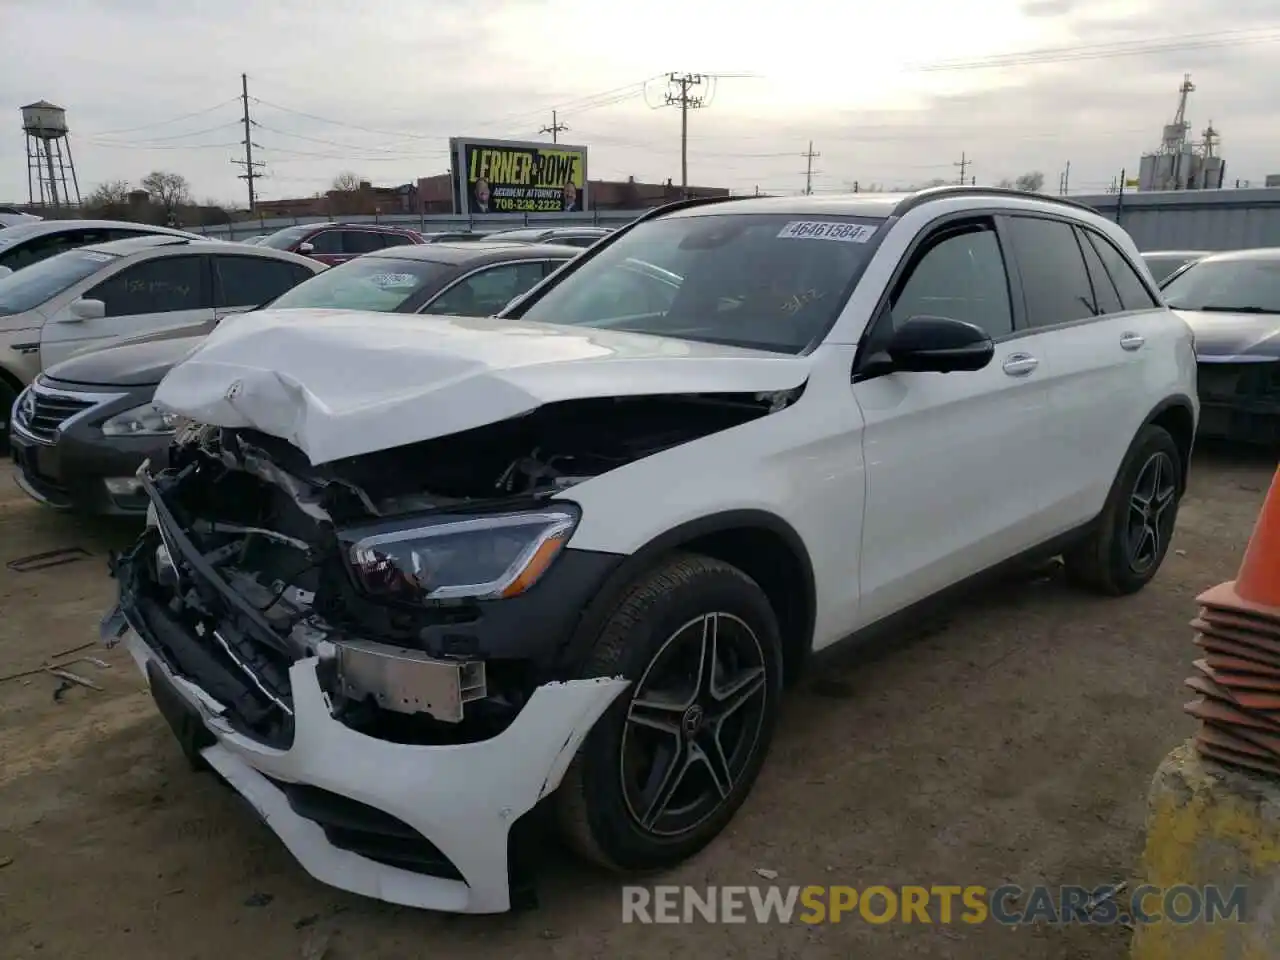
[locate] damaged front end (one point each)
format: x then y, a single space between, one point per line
330 625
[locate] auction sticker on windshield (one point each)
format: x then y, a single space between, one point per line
389 281
827 230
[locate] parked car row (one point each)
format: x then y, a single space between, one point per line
82 428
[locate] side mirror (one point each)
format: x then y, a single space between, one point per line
83 309
305 248
5 271
939 345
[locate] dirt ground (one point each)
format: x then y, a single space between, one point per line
1013 745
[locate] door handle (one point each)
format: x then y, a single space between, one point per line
1020 364
1131 341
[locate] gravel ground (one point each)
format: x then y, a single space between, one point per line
1011 744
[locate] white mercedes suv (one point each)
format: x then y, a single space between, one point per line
406 578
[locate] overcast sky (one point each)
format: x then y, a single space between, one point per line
377 87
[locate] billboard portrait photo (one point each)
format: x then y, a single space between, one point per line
513 176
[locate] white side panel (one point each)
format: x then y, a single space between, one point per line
803 464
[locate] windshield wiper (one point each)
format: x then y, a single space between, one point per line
1218 309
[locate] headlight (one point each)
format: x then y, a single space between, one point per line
482 558
147 420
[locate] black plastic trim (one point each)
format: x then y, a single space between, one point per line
610 593
1183 402
366 831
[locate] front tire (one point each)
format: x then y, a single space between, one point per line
672 760
1126 550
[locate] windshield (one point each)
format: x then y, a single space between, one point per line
286 238
28 288
766 281
381 284
1242 286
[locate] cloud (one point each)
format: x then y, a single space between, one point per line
379 89
1049 8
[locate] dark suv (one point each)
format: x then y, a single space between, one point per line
333 243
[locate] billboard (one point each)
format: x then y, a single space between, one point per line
512 176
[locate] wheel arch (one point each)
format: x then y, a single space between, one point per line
1176 414
761 544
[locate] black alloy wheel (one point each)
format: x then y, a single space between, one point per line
693 724
667 766
1151 513
1131 537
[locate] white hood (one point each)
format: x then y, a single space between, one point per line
340 383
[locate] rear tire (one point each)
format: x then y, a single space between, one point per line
671 761
1132 538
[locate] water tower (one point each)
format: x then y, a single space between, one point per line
49 156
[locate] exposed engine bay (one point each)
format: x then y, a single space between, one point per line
380 566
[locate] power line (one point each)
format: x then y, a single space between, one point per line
165 123
555 129
1101 51
147 141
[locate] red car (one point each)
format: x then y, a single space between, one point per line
338 242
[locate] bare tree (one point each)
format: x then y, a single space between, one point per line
170 191
346 182
109 200
1031 182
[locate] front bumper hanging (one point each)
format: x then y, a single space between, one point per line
413 824
457 801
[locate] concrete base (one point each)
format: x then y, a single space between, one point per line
1208 825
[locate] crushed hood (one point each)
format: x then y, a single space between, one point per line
341 383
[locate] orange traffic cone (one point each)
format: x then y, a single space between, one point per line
1238 681
1255 592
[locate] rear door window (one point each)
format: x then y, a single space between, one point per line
248 281
1055 282
1104 291
361 241
1133 292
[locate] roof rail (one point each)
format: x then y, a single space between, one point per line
921 197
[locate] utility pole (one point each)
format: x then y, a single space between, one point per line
1064 181
679 95
808 173
555 129
251 166
963 165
